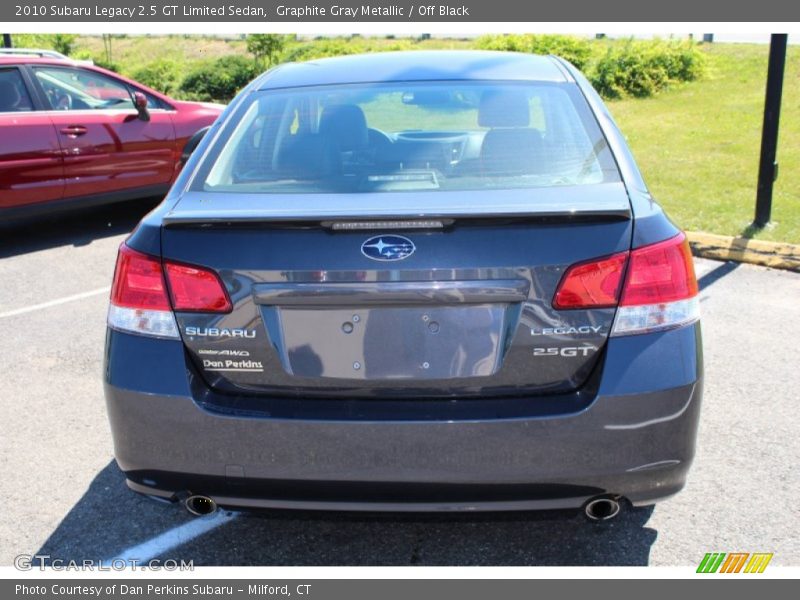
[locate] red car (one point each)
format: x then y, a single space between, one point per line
74 135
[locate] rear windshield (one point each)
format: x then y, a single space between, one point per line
445 136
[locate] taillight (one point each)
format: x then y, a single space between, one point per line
139 302
660 290
196 289
593 284
138 282
654 286
661 272
142 298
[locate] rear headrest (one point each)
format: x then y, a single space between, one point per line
504 108
9 93
346 125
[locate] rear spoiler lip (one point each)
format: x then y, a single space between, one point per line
609 200
203 218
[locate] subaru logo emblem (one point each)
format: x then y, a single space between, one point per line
388 247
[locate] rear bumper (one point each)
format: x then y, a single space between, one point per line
635 438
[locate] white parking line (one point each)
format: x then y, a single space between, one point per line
56 302
172 539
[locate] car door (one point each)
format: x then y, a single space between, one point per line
31 165
107 147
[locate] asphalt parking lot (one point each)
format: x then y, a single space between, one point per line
65 497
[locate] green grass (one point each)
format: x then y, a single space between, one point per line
698 144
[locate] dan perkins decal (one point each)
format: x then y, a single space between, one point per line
247 366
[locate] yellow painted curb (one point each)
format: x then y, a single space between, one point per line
777 255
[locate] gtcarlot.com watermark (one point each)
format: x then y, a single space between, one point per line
28 562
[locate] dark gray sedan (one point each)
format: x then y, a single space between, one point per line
407 281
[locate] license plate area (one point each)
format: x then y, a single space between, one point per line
425 330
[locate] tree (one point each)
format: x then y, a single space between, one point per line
265 46
64 43
107 47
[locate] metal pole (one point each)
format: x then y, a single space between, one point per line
7 41
768 166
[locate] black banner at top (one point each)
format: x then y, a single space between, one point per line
354 11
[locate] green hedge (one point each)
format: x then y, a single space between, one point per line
617 69
644 68
575 49
162 75
219 80
327 47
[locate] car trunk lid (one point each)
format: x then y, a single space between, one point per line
325 305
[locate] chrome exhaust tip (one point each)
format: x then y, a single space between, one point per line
200 505
602 508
